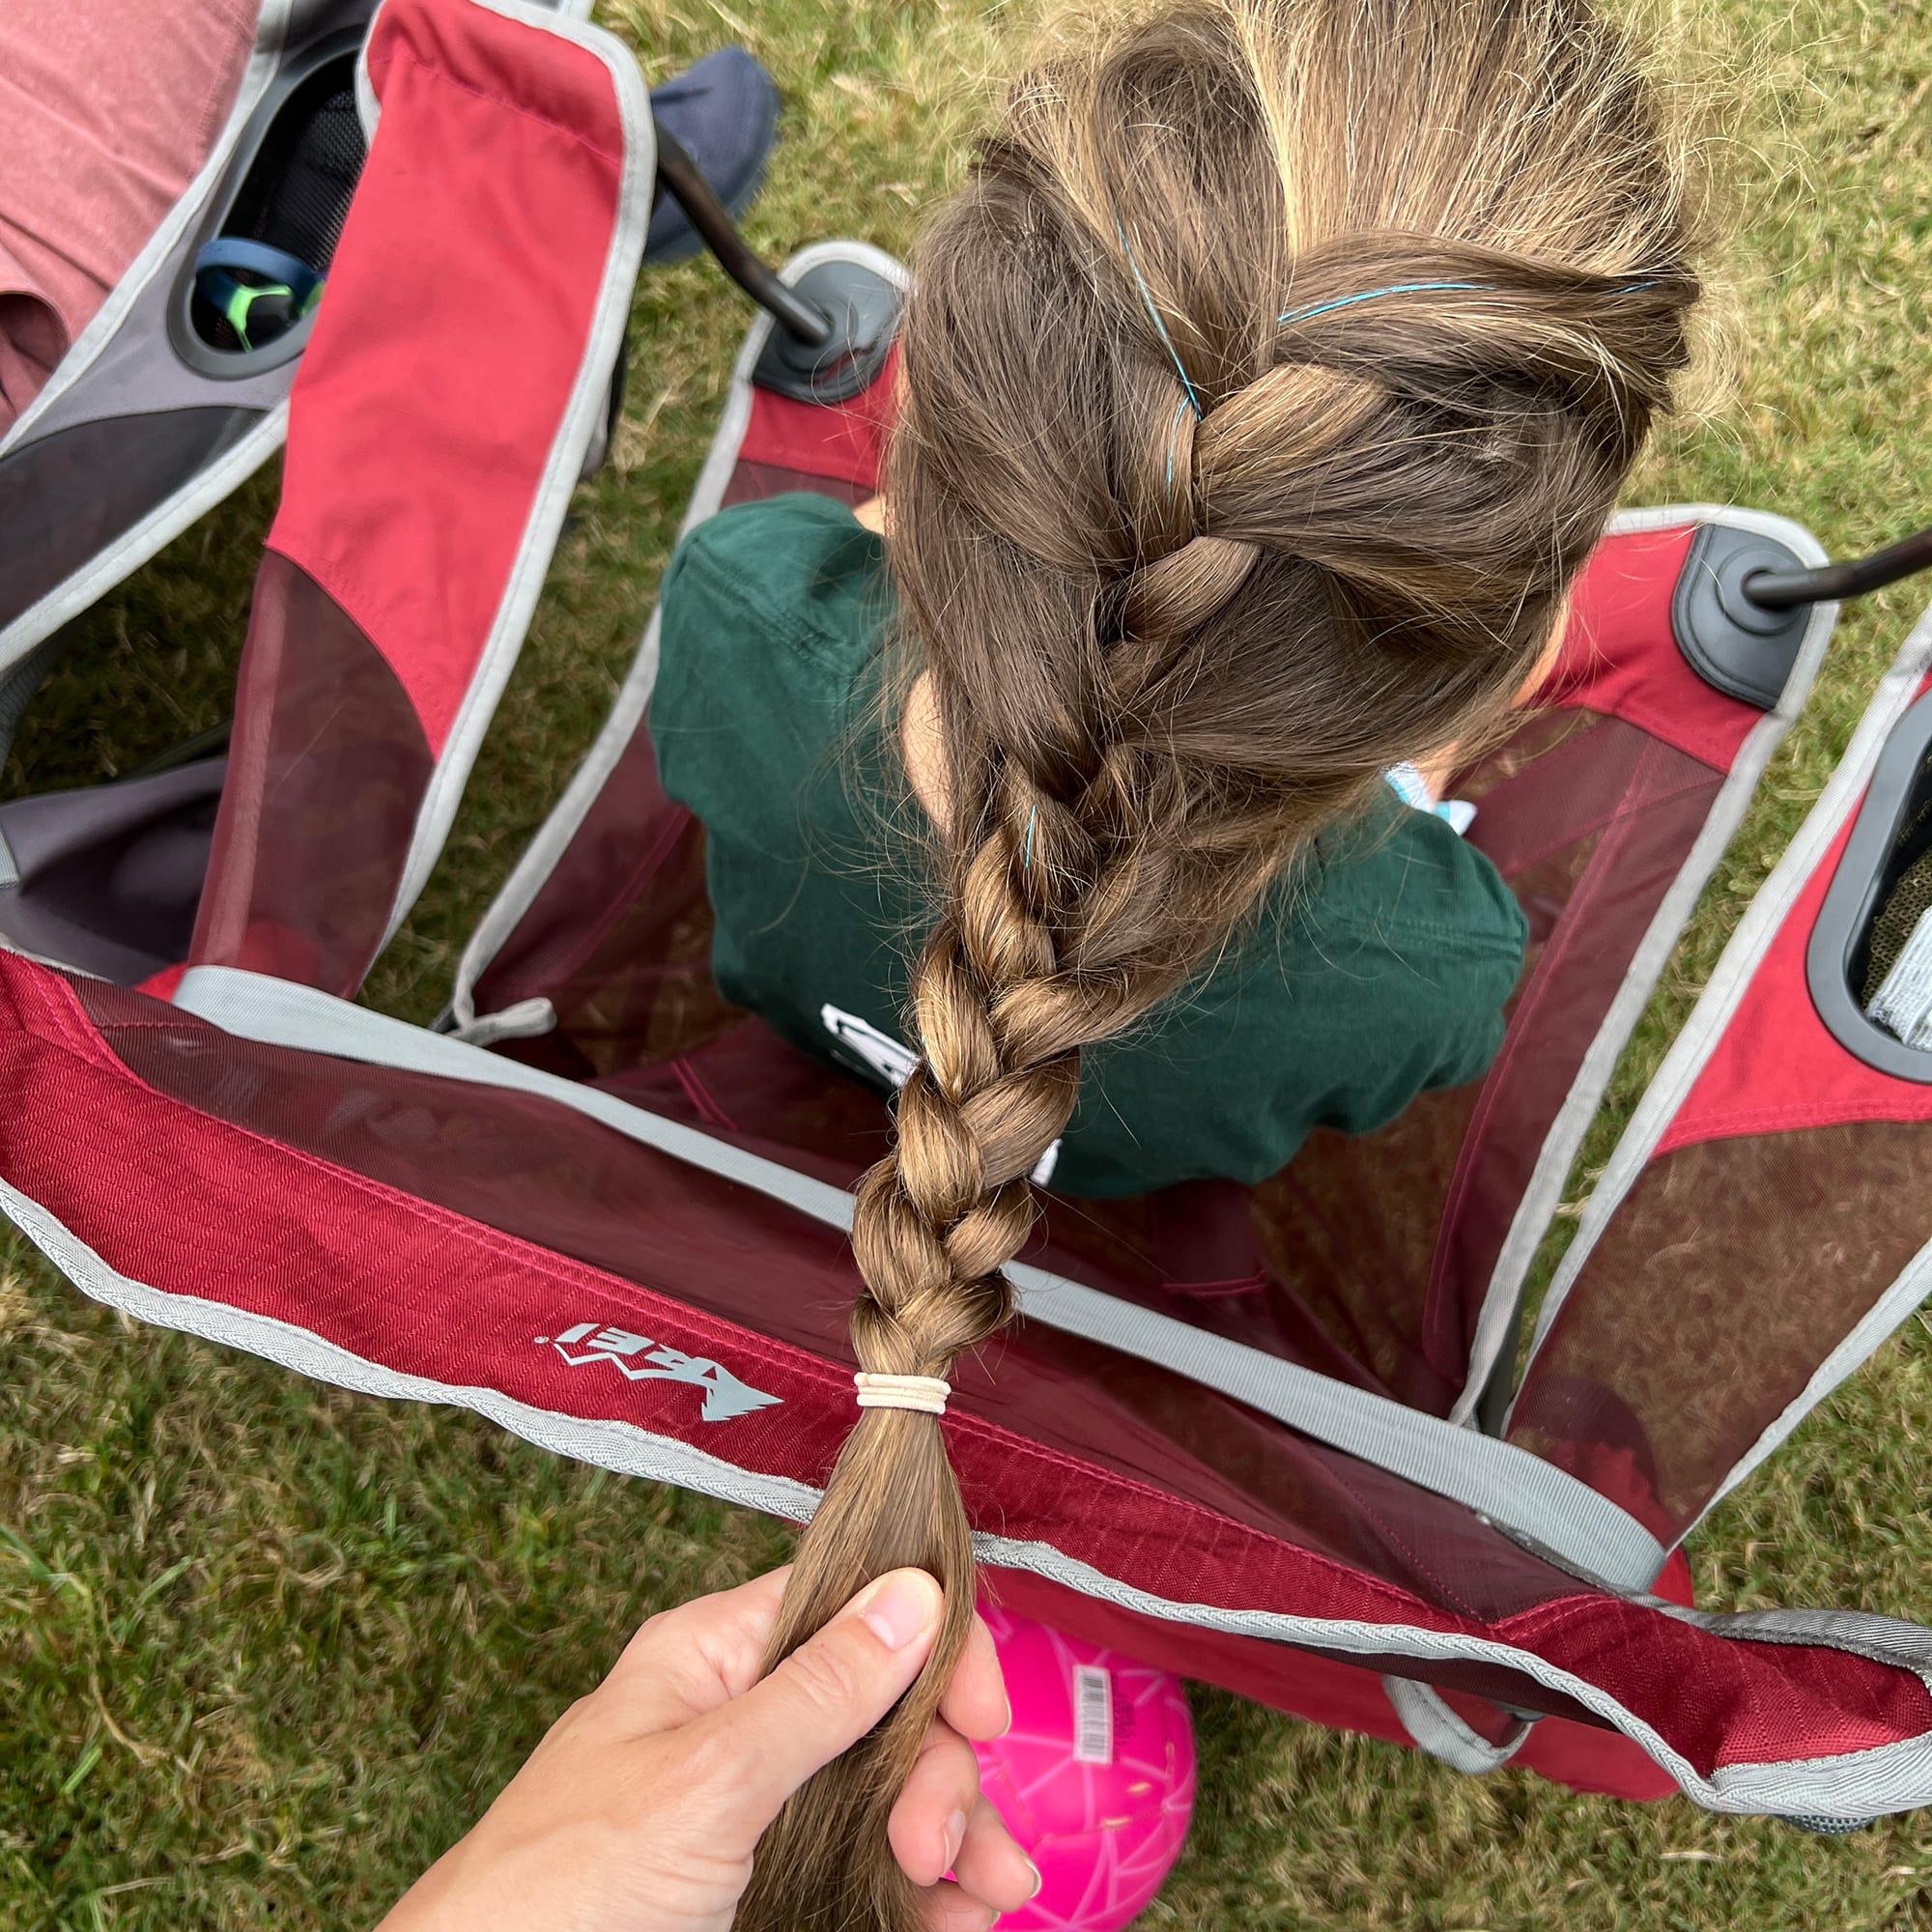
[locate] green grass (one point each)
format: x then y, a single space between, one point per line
264 1648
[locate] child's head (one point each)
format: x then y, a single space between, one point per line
1265 386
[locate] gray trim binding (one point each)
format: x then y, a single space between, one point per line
553 836
1512 1490
1496 1322
1852 1786
1692 1048
368 109
1432 1726
606 1444
522 1019
565 463
1886 1640
552 839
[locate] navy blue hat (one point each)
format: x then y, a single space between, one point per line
724 112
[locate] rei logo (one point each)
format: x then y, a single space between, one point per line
639 1359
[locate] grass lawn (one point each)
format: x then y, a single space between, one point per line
266 1648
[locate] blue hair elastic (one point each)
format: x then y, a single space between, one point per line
1295 315
1033 813
1172 430
1146 296
1372 295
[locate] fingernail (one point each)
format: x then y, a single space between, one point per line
901 1607
1008 1725
1038 1881
955 1836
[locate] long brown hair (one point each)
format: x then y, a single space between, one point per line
1265 386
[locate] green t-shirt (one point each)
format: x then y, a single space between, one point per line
1380 972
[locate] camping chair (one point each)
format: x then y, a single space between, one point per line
177 392
1239 1433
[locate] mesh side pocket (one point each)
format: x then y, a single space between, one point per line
297 192
297 195
1904 906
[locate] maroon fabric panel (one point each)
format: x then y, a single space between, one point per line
1323 1688
1727 1276
545 1174
618 938
841 445
1568 1748
326 772
196 1206
1346 1261
1621 661
1640 804
1194 1244
1349 1228
64 498
754 482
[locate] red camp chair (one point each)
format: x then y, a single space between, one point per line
1237 1434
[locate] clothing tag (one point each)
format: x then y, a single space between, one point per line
1408 785
889 1058
893 1060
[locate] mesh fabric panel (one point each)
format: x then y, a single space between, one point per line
1905 905
1368 1257
326 772
1197 1242
1710 1301
754 482
1618 811
631 983
297 196
64 498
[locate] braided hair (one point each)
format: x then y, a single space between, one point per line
1266 388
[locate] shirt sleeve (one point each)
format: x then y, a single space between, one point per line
768 615
1400 965
796 572
1436 960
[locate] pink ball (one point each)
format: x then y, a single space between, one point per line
1096 1780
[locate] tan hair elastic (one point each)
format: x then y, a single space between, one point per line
926 1393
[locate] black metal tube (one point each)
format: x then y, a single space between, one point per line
678 173
1786 589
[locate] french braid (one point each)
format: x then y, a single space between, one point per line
1264 389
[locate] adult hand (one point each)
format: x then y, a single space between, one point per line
639 1810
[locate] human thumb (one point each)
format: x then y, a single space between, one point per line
821 1700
